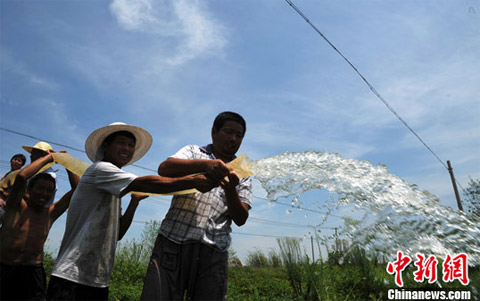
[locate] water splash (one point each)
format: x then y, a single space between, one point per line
398 216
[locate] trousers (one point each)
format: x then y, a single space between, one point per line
194 270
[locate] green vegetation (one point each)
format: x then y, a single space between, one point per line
285 275
472 196
257 259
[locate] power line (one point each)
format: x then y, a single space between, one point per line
63 145
167 202
263 235
237 233
251 219
82 151
301 208
149 169
367 82
157 201
275 223
41 139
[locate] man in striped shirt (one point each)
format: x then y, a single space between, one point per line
190 253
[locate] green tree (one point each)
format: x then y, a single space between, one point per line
472 196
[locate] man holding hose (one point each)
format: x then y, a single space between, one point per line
190 253
94 221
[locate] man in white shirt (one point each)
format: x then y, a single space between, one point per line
94 222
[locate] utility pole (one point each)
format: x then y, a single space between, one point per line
313 254
457 195
336 240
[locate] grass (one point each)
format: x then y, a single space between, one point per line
364 280
284 275
258 283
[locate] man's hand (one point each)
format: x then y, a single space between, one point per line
137 197
216 169
230 182
127 217
49 153
203 183
237 209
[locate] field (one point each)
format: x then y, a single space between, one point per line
288 275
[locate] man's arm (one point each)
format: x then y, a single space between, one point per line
61 206
237 209
174 167
18 190
58 208
127 217
6 184
159 184
73 179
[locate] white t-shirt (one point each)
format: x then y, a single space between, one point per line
87 252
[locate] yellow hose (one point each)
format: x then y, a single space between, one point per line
240 166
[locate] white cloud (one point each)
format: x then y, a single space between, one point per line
203 34
134 15
194 31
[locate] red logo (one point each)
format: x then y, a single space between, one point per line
398 266
453 268
426 268
456 268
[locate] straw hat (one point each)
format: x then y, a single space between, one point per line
43 146
93 145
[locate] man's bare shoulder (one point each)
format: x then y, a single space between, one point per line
15 210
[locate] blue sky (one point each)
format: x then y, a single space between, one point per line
69 67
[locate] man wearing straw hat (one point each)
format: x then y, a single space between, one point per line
190 253
39 150
94 222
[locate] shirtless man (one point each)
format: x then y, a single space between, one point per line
26 225
37 151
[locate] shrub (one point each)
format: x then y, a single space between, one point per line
257 259
293 260
48 263
274 259
127 279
